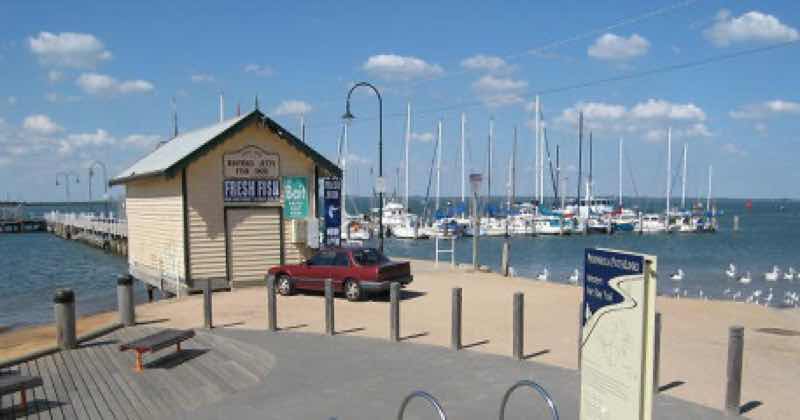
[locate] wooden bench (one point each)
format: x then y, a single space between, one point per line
10 384
155 342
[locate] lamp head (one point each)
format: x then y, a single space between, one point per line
348 116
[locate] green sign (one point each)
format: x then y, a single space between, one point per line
295 197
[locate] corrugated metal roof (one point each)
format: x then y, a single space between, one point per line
175 150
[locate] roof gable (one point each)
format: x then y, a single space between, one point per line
185 148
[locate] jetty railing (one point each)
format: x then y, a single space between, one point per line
103 223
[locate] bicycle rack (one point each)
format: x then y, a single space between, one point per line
427 397
536 387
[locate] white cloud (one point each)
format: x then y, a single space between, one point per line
55 97
41 124
355 159
201 78
766 109
101 84
12 100
403 68
68 49
489 63
499 91
259 70
661 109
142 140
751 26
292 107
99 138
425 137
648 119
615 47
761 128
54 76
733 149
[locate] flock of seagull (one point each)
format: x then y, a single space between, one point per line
790 299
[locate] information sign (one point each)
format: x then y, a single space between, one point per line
332 196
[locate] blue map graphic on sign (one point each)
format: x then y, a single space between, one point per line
600 267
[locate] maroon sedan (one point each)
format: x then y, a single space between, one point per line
354 271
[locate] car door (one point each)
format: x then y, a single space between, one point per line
341 270
318 268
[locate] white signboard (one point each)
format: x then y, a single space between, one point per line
616 347
251 163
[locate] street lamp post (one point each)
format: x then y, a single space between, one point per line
475 183
66 175
348 117
102 166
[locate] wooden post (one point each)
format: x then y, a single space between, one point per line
394 312
657 353
504 262
455 333
64 308
125 304
735 223
272 310
733 390
519 321
329 326
207 316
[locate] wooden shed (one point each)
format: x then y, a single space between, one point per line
222 203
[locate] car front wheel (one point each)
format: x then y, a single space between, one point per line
284 285
352 290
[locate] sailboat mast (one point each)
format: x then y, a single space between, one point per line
620 172
407 145
559 191
514 168
708 197
580 155
590 184
669 167
538 148
489 174
221 107
438 161
683 176
463 170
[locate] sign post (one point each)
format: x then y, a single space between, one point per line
617 337
333 211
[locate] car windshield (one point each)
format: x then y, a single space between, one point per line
369 256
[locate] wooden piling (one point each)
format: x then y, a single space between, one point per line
125 303
329 315
733 389
207 308
519 321
394 312
64 307
272 310
455 331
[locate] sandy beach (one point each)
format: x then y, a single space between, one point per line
694 340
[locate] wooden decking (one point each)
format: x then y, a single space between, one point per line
97 381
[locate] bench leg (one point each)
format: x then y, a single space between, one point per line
23 397
139 364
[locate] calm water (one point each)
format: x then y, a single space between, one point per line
34 265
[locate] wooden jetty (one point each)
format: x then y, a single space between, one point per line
23 226
97 381
103 231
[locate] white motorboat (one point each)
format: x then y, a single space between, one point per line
409 229
652 223
677 276
772 275
550 224
573 278
789 274
356 229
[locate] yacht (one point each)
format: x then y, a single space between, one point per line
652 223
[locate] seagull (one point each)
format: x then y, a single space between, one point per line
544 275
745 279
573 278
789 274
737 295
772 275
677 292
768 299
677 276
731 271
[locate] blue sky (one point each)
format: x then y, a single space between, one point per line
94 81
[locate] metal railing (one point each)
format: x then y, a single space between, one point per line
424 395
536 387
102 223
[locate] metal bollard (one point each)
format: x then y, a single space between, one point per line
733 390
64 300
455 333
207 316
125 304
506 256
735 223
657 353
580 334
272 309
519 321
394 312
329 326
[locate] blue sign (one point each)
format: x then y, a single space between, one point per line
332 196
600 269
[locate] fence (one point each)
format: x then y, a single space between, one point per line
98 223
